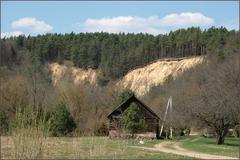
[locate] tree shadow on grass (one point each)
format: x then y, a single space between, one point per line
233 145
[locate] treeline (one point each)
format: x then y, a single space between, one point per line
116 54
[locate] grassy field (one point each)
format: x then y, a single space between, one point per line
105 148
208 145
205 145
82 147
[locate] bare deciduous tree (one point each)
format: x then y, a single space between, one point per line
218 104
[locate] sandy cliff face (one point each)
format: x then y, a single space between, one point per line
77 75
142 79
139 80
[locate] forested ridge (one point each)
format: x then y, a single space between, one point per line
116 54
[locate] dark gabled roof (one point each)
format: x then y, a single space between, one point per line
123 106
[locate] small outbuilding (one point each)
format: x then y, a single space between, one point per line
116 126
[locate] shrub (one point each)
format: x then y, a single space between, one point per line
101 80
127 93
61 121
3 123
102 130
168 79
29 134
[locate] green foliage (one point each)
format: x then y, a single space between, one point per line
169 79
127 93
20 40
133 119
3 123
61 121
102 130
9 55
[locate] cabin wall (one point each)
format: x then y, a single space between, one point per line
115 123
116 129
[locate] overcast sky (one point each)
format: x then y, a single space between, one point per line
148 17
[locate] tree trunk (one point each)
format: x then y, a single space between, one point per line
222 133
220 140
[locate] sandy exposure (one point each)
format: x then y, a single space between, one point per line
174 148
76 74
142 79
139 80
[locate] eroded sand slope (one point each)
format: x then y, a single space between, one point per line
142 79
76 74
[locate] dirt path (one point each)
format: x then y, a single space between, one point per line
174 148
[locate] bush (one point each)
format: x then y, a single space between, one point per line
102 130
61 121
29 132
101 80
168 79
133 119
126 94
3 123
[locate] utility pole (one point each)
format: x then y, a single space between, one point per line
169 106
170 115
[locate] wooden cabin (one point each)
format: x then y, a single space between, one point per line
116 127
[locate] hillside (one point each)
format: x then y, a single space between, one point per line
139 80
